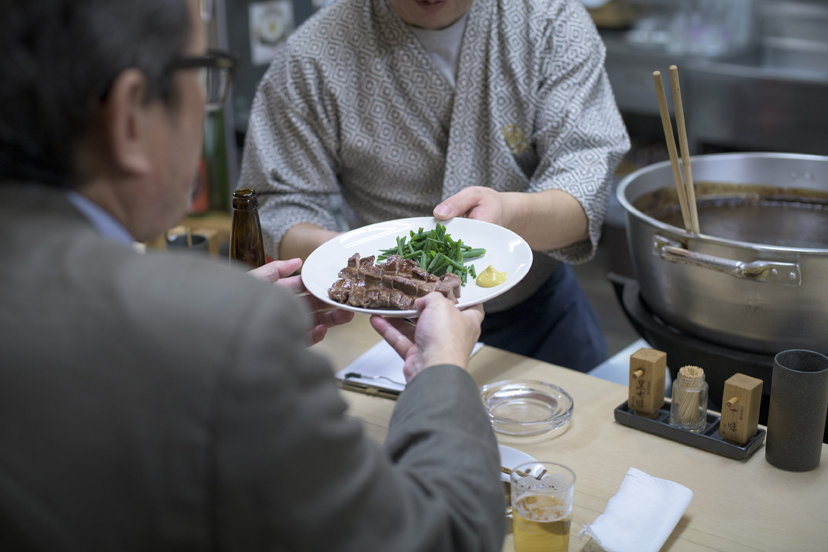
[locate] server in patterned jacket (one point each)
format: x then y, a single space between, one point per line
498 110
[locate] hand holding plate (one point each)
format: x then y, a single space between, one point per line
279 273
443 334
474 202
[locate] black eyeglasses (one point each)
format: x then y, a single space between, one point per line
215 74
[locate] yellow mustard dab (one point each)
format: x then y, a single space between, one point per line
490 277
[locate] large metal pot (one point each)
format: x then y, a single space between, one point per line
736 293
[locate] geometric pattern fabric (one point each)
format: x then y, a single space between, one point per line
352 104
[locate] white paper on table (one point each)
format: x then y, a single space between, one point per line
381 367
641 516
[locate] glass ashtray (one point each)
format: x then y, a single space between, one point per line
526 407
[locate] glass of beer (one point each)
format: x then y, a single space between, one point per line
542 495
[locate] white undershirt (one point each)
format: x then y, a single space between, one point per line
443 45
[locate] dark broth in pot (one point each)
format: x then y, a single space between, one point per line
765 215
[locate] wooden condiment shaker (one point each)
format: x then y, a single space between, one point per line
647 368
740 408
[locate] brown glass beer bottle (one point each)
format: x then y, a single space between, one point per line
246 242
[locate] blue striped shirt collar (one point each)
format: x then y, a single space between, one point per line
103 222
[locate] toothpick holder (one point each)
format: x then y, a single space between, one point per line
688 409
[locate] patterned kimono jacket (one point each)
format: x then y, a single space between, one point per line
353 105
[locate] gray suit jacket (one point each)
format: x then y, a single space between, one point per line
159 402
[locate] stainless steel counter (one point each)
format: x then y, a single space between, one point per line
751 105
770 97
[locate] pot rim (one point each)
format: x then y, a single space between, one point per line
628 207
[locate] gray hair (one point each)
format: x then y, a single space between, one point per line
58 59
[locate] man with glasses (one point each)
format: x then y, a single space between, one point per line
161 402
215 75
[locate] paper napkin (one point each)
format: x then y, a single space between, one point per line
641 516
381 366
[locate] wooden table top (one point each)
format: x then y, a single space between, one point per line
738 505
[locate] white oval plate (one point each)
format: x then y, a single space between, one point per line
505 251
511 458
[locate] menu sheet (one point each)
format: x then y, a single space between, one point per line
378 371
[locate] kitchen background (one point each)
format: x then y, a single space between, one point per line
754 77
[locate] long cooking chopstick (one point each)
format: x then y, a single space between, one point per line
671 147
685 153
332 308
324 310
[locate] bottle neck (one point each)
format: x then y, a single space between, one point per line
246 243
244 199
245 204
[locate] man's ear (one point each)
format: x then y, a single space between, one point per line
128 123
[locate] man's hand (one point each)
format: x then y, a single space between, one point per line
474 202
443 335
279 273
547 220
277 270
301 240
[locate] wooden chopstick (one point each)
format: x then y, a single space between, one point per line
332 308
685 154
325 309
671 147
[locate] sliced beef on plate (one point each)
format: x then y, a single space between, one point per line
340 290
394 284
453 282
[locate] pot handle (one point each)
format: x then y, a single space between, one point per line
784 274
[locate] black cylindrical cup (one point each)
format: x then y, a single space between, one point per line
198 243
798 406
